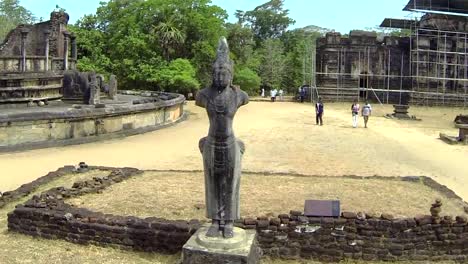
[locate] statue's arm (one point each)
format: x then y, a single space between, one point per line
200 99
244 98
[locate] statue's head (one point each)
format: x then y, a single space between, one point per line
223 66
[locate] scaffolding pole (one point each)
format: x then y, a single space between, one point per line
433 75
401 77
389 72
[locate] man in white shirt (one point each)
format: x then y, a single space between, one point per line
273 95
366 112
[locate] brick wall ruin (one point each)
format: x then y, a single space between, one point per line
290 236
353 237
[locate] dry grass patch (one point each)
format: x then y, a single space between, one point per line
17 248
180 195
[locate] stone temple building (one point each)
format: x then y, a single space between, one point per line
33 59
426 66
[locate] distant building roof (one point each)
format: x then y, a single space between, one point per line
429 6
399 23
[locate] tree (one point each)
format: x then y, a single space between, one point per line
13 14
273 64
179 76
240 41
92 45
299 45
136 39
247 79
169 36
269 20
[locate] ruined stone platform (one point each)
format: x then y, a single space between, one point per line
62 123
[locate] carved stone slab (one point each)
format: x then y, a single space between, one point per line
322 208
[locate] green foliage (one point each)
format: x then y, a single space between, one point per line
248 80
240 39
268 20
136 39
273 63
178 76
204 55
300 47
171 44
11 15
91 47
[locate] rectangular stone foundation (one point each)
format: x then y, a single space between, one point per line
194 252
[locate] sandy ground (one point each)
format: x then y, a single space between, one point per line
280 137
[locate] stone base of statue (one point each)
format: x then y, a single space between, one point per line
241 249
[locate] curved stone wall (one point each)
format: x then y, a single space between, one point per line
83 124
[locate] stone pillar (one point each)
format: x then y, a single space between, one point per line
66 35
24 35
46 53
112 87
94 90
74 54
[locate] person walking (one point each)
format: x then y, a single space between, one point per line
366 112
319 112
355 112
263 92
302 94
273 94
280 93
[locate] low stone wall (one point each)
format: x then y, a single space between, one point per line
294 236
76 126
48 216
290 236
26 189
85 227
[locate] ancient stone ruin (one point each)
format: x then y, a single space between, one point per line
427 67
46 101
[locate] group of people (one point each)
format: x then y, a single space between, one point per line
273 94
366 111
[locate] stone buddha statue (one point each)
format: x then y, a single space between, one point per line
222 152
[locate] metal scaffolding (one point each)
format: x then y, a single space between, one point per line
432 71
439 64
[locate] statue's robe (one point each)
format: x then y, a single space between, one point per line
222 152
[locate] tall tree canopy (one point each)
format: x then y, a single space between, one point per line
269 20
11 15
139 40
170 45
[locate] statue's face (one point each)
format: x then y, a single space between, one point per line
221 76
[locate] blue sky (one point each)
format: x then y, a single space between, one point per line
341 15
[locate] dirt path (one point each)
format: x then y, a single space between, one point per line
280 137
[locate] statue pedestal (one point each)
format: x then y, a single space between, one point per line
241 249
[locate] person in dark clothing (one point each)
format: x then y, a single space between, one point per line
319 112
302 94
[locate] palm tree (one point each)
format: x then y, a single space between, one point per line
169 36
